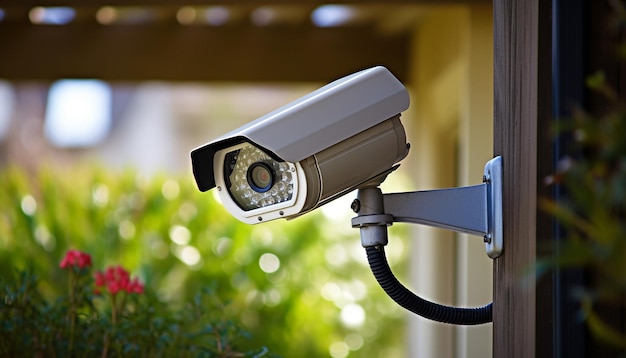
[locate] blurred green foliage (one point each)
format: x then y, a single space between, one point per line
124 324
302 288
592 212
592 209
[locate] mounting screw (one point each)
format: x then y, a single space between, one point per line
487 239
486 179
355 206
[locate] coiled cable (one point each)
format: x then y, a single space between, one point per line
407 299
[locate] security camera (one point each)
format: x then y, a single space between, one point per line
347 135
343 136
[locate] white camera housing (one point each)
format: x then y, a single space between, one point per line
343 136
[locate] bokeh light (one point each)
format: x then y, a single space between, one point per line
78 113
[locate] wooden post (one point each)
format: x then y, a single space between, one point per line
517 62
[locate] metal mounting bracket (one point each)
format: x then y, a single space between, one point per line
474 210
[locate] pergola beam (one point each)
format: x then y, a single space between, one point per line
79 3
195 53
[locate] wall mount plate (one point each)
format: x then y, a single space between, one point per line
493 178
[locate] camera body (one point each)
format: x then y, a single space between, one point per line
343 136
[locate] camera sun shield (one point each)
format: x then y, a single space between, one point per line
314 122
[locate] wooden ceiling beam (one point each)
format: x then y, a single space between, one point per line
79 3
171 52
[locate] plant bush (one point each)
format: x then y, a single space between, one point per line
300 287
111 317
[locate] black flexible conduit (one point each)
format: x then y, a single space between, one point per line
407 299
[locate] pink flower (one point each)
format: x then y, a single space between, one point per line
116 279
100 279
77 259
135 286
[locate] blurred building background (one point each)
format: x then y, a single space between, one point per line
141 83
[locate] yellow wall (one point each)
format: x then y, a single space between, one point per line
451 132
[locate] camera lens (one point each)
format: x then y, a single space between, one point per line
254 180
260 177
